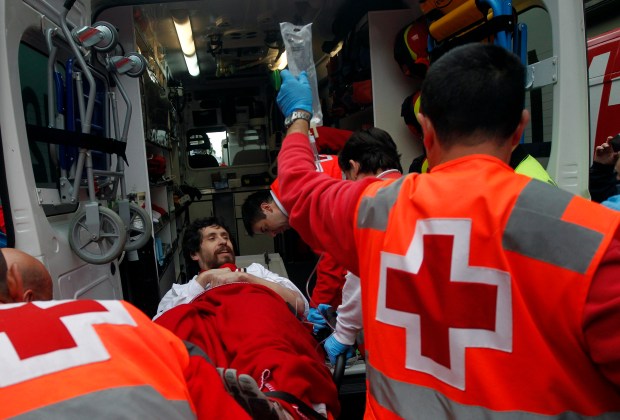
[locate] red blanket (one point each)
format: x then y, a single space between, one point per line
250 328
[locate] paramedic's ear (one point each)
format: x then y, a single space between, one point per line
266 207
28 296
518 133
428 131
354 171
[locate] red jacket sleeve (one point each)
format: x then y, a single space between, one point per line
602 314
329 282
321 208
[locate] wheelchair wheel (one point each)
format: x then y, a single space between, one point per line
109 39
139 228
111 242
139 64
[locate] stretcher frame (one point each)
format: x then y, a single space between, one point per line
97 234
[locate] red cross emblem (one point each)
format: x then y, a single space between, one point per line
44 325
444 305
45 337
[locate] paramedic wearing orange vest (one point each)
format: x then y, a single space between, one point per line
102 359
486 294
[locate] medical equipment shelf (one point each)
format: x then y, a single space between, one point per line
161 146
154 125
162 183
163 222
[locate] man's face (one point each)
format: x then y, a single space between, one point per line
215 248
275 221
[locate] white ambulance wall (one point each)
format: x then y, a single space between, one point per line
389 86
570 148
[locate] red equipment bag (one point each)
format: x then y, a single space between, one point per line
156 165
362 92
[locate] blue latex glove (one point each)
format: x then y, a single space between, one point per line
318 318
295 93
334 348
612 202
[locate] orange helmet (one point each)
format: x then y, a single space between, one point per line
411 49
409 111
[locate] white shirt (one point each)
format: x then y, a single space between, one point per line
185 293
349 320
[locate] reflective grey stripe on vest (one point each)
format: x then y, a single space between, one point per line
535 229
137 402
374 211
419 402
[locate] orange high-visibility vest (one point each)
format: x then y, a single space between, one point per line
68 359
474 282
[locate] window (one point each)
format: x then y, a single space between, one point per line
537 135
32 72
204 148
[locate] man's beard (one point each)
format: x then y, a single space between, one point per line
223 259
220 257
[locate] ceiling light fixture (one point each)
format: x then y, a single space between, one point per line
336 49
184 32
281 62
192 64
183 27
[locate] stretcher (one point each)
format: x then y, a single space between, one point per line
452 23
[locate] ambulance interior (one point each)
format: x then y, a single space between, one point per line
194 127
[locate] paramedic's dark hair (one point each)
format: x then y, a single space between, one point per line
474 91
192 237
4 288
373 149
251 211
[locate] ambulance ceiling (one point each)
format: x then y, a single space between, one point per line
241 38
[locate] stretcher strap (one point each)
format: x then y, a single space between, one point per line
72 138
304 408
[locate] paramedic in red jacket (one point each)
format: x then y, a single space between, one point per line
485 293
263 213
